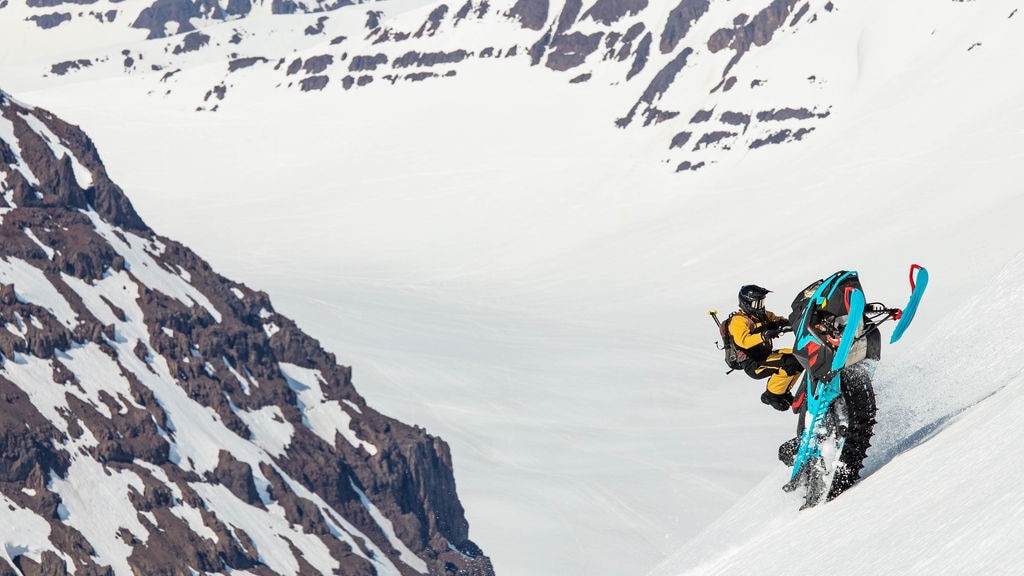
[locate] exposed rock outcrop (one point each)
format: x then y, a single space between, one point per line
128 365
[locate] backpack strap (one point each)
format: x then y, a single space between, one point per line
750 321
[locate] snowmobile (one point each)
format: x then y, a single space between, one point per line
838 343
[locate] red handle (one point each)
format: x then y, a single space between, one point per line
913 268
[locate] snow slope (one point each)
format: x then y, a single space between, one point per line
942 492
501 265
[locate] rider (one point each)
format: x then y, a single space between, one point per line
752 329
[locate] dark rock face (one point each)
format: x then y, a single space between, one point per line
163 16
610 11
192 42
662 80
318 28
433 22
158 15
317 64
735 118
784 135
367 63
314 83
240 63
568 16
571 50
680 140
789 114
57 184
638 46
144 371
62 68
532 14
757 32
429 59
679 21
643 51
47 21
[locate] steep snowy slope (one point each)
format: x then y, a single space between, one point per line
944 494
501 264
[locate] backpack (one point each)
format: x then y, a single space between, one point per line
735 357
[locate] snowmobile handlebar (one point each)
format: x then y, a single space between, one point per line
876 309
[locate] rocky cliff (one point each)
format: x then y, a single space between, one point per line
160 419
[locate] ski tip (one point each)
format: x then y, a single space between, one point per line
918 283
918 273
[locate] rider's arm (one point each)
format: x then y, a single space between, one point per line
741 334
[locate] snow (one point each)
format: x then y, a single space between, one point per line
270 329
82 174
942 477
94 498
31 285
244 382
504 267
196 433
95 501
273 540
50 252
192 516
270 430
407 556
342 529
138 255
23 532
35 377
7 135
326 418
96 373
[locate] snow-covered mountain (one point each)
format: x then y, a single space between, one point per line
646 50
162 419
507 261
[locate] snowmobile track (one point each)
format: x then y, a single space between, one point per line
860 404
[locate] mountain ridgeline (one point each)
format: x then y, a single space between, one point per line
160 419
690 65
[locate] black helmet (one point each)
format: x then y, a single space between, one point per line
752 299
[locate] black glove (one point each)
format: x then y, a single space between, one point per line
780 402
782 324
770 333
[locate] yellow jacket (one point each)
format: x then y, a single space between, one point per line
747 332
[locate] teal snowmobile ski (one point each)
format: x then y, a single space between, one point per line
838 344
918 282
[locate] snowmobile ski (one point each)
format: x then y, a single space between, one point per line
820 396
855 305
918 283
